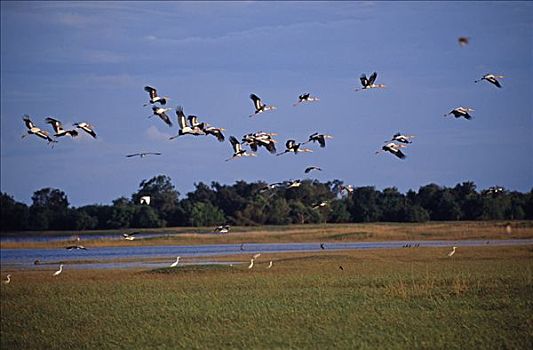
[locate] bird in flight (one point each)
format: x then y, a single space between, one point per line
184 127
154 98
292 146
491 78
461 112
33 130
238 151
87 128
368 83
320 205
394 149
320 138
161 113
401 138
463 40
305 98
311 168
260 107
58 128
143 154
260 138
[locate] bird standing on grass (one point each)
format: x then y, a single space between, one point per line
8 279
251 263
58 271
175 263
452 252
269 265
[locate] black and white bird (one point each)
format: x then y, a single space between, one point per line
494 190
185 128
491 78
58 128
154 98
293 184
143 154
368 83
311 168
145 200
89 129
222 229
260 139
238 151
292 146
129 236
216 132
161 113
320 205
401 138
461 112
393 148
348 189
75 247
463 40
320 138
260 107
306 98
33 130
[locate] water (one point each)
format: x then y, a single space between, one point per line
160 256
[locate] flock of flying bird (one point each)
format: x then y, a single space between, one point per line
189 125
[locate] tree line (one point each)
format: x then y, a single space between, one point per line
258 204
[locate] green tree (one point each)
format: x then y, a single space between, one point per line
49 209
14 215
205 214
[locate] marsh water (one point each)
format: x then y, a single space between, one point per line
160 256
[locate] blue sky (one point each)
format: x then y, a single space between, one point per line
83 61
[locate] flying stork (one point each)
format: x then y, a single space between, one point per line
305 98
368 83
260 107
184 127
394 149
311 168
154 98
461 112
86 127
320 205
33 130
463 40
294 184
292 146
260 138
143 154
161 113
237 149
401 138
491 78
58 128
216 132
320 138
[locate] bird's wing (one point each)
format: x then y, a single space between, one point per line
496 82
290 144
372 78
321 140
257 101
235 144
152 91
133 155
307 170
56 124
165 118
27 121
364 80
182 121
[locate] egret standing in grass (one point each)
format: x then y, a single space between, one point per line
251 263
8 279
269 265
58 271
175 263
452 252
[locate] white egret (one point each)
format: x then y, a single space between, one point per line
251 263
269 265
175 263
58 271
452 252
8 279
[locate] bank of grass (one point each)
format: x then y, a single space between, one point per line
403 298
456 230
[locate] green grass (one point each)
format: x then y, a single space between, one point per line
396 299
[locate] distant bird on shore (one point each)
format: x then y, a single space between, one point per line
86 127
463 40
401 138
260 107
238 151
154 98
311 168
58 128
8 279
251 263
292 146
143 154
491 78
222 229
129 236
242 246
394 149
269 265
75 247
320 138
33 130
322 246
341 268
58 271
161 113
305 98
368 83
461 112
175 263
452 252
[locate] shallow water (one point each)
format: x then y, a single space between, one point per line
106 257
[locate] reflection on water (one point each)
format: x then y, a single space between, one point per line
107 257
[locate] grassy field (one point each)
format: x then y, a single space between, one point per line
481 298
306 233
